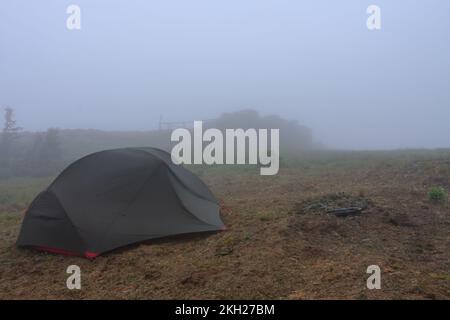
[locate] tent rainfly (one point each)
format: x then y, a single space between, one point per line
114 198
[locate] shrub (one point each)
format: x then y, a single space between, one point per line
438 194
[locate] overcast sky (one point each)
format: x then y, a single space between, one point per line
313 61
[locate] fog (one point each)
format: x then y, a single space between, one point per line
316 62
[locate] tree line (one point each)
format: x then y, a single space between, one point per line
24 153
40 156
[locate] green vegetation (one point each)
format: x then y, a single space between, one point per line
39 154
24 154
438 194
266 216
17 193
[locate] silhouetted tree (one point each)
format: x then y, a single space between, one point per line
293 136
9 134
50 153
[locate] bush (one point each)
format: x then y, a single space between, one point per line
438 194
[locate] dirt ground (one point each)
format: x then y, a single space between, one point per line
270 249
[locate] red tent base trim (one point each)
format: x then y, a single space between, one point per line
91 255
87 254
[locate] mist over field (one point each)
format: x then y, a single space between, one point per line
315 62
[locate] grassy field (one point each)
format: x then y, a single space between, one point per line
280 242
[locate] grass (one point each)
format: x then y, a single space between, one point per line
16 194
266 216
316 162
438 195
266 252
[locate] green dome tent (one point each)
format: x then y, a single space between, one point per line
113 198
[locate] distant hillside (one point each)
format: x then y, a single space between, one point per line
43 153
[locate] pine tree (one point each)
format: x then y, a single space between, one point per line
9 134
